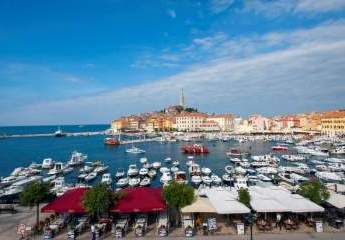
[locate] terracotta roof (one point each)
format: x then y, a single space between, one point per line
336 114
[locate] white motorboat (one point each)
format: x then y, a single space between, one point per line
156 165
267 170
34 165
57 169
77 159
227 178
257 164
264 178
67 170
48 179
166 178
27 181
206 180
229 169
152 173
164 169
146 181
240 182
122 182
47 163
206 171
120 173
174 169
196 180
293 158
132 170
134 182
86 169
143 160
91 176
106 178
135 150
176 163
143 172
11 179
189 163
100 169
180 177
82 176
194 169
168 159
328 176
12 191
240 170
58 184
216 180
147 165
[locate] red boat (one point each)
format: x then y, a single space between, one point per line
194 149
279 148
111 141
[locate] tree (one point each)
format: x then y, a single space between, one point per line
244 196
190 109
34 194
178 195
99 200
314 190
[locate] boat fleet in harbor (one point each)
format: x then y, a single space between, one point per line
291 161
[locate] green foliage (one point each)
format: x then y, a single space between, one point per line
190 109
314 190
99 200
178 195
34 193
244 196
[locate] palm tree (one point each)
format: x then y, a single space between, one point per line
243 196
34 194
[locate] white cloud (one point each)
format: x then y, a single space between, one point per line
320 5
171 13
218 6
306 74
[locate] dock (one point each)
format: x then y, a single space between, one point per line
140 140
76 134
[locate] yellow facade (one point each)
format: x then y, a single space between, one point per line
333 123
119 124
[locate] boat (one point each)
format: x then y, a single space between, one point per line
86 169
146 181
206 171
35 165
194 149
100 169
67 170
292 178
174 169
156 165
279 148
166 178
240 182
236 153
58 184
48 179
77 159
132 170
264 178
122 182
57 169
47 163
259 164
135 150
168 160
59 133
152 173
26 181
175 163
180 177
91 176
328 176
147 165
164 169
293 158
106 178
120 173
196 180
143 160
189 163
338 150
82 176
111 141
194 169
216 180
134 182
267 170
240 170
229 169
143 172
206 180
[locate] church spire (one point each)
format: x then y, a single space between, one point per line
182 100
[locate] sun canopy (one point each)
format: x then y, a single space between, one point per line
140 200
278 199
225 202
200 205
69 202
337 200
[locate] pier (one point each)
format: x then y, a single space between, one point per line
141 140
76 134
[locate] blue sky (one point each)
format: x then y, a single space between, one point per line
66 62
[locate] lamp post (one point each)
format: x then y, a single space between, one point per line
250 218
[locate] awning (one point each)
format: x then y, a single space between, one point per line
140 200
200 205
225 202
337 200
69 202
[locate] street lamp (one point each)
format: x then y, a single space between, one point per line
250 219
